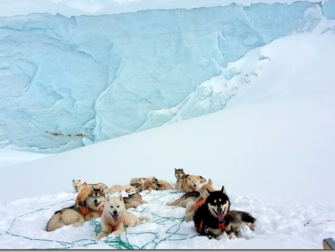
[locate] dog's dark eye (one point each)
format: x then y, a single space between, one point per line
118 206
111 206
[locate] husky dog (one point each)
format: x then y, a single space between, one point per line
163 185
85 189
76 183
193 197
133 200
127 188
151 184
138 183
91 209
189 183
214 217
115 217
181 176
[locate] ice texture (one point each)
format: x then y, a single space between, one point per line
70 82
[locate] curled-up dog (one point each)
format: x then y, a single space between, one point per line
150 184
214 217
115 218
126 188
164 185
138 183
133 200
89 209
189 183
192 198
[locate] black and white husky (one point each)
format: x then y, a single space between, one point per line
214 217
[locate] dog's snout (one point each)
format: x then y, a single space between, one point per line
95 201
219 209
115 212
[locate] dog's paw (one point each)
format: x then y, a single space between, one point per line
232 236
206 229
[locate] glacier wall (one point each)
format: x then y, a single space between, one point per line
69 82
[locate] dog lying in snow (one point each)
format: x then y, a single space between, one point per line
163 185
213 216
138 183
150 184
133 200
126 188
90 209
187 183
193 197
115 218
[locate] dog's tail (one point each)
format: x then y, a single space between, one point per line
239 218
143 219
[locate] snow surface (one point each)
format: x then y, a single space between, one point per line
70 82
271 147
14 157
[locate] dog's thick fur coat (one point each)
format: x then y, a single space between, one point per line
150 184
115 217
163 185
133 200
71 215
215 211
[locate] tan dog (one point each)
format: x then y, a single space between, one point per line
133 200
188 184
150 184
126 188
197 195
180 176
116 218
164 185
138 183
74 215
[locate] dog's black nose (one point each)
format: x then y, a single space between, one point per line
115 212
219 209
95 201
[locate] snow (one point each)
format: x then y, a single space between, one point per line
70 82
271 147
13 157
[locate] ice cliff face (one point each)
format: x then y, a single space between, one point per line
68 82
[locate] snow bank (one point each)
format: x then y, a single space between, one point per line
70 82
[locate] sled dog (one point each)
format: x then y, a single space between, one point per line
91 209
150 184
138 183
76 183
181 176
126 188
193 197
188 184
163 185
133 200
115 218
213 216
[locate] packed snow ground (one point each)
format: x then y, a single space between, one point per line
14 157
271 147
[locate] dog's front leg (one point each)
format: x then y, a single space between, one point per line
119 229
105 230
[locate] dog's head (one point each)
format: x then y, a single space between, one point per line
76 183
179 173
193 181
96 198
114 208
203 189
218 204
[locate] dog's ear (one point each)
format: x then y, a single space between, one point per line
79 180
175 169
210 182
120 195
107 197
208 191
223 190
182 169
72 180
